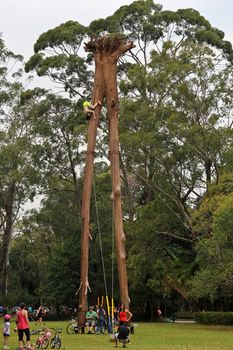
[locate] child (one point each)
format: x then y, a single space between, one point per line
6 331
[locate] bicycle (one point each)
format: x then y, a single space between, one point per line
43 341
73 327
55 342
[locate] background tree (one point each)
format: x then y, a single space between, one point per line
213 225
175 96
17 172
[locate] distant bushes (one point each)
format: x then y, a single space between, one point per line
218 318
184 315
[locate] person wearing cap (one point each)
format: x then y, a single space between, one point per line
91 317
23 326
6 331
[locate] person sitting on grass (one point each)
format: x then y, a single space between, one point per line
122 335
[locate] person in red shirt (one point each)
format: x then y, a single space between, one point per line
23 326
124 315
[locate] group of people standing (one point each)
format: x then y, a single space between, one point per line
122 317
96 318
22 325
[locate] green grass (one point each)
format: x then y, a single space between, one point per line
148 336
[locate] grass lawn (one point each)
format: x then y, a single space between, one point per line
148 336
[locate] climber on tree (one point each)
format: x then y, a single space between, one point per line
89 109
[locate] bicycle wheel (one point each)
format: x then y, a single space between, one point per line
45 344
52 343
37 346
70 328
58 343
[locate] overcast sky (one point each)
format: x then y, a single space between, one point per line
22 21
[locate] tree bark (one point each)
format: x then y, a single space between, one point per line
128 191
87 187
4 260
112 101
106 53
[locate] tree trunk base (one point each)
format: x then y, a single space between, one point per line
81 318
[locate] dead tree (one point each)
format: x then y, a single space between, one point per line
106 51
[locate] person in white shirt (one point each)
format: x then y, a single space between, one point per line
6 331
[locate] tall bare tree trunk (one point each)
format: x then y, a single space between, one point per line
106 52
87 187
110 78
7 236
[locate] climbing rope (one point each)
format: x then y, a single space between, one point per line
100 238
102 258
113 247
113 229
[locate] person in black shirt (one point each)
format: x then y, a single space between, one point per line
122 335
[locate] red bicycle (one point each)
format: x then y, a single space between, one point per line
43 341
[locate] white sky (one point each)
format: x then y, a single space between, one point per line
22 21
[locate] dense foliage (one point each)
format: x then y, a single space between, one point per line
176 92
224 318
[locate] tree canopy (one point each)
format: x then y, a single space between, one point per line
175 125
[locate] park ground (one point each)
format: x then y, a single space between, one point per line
148 336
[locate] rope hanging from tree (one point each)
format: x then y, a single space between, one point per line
100 238
110 314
